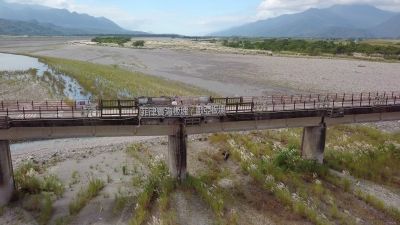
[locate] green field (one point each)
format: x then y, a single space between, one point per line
110 82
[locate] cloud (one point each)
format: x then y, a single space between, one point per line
68 4
272 8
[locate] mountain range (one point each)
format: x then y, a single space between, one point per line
338 21
24 19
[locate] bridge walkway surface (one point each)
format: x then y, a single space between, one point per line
178 117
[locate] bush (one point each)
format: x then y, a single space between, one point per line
53 184
139 43
26 178
116 40
290 159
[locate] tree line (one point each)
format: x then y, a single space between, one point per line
312 47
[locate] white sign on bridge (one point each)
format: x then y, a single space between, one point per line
182 111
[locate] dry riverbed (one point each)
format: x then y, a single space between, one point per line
226 73
76 161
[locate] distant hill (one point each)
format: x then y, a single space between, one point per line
339 21
50 21
12 27
389 28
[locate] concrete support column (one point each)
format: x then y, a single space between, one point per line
6 173
177 144
313 144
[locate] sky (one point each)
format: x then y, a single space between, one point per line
195 17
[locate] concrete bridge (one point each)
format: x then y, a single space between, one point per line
178 117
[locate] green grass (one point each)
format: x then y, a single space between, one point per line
378 204
284 174
212 195
159 185
41 205
121 199
365 152
85 195
28 181
108 82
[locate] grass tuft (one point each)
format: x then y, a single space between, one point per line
85 195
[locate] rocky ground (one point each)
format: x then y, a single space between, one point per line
227 73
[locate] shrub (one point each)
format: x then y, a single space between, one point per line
116 40
139 43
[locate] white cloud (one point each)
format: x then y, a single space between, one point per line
271 8
68 4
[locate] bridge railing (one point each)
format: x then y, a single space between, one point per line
25 110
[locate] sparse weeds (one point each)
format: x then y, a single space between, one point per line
121 199
38 192
365 152
378 204
27 180
159 184
85 195
135 149
211 194
75 178
41 205
266 171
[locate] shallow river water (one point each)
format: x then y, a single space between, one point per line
70 87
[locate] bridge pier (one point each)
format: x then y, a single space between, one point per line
177 144
6 173
313 143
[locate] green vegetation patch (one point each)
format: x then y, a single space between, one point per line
158 186
139 43
313 47
114 40
28 180
365 152
38 192
108 82
85 195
